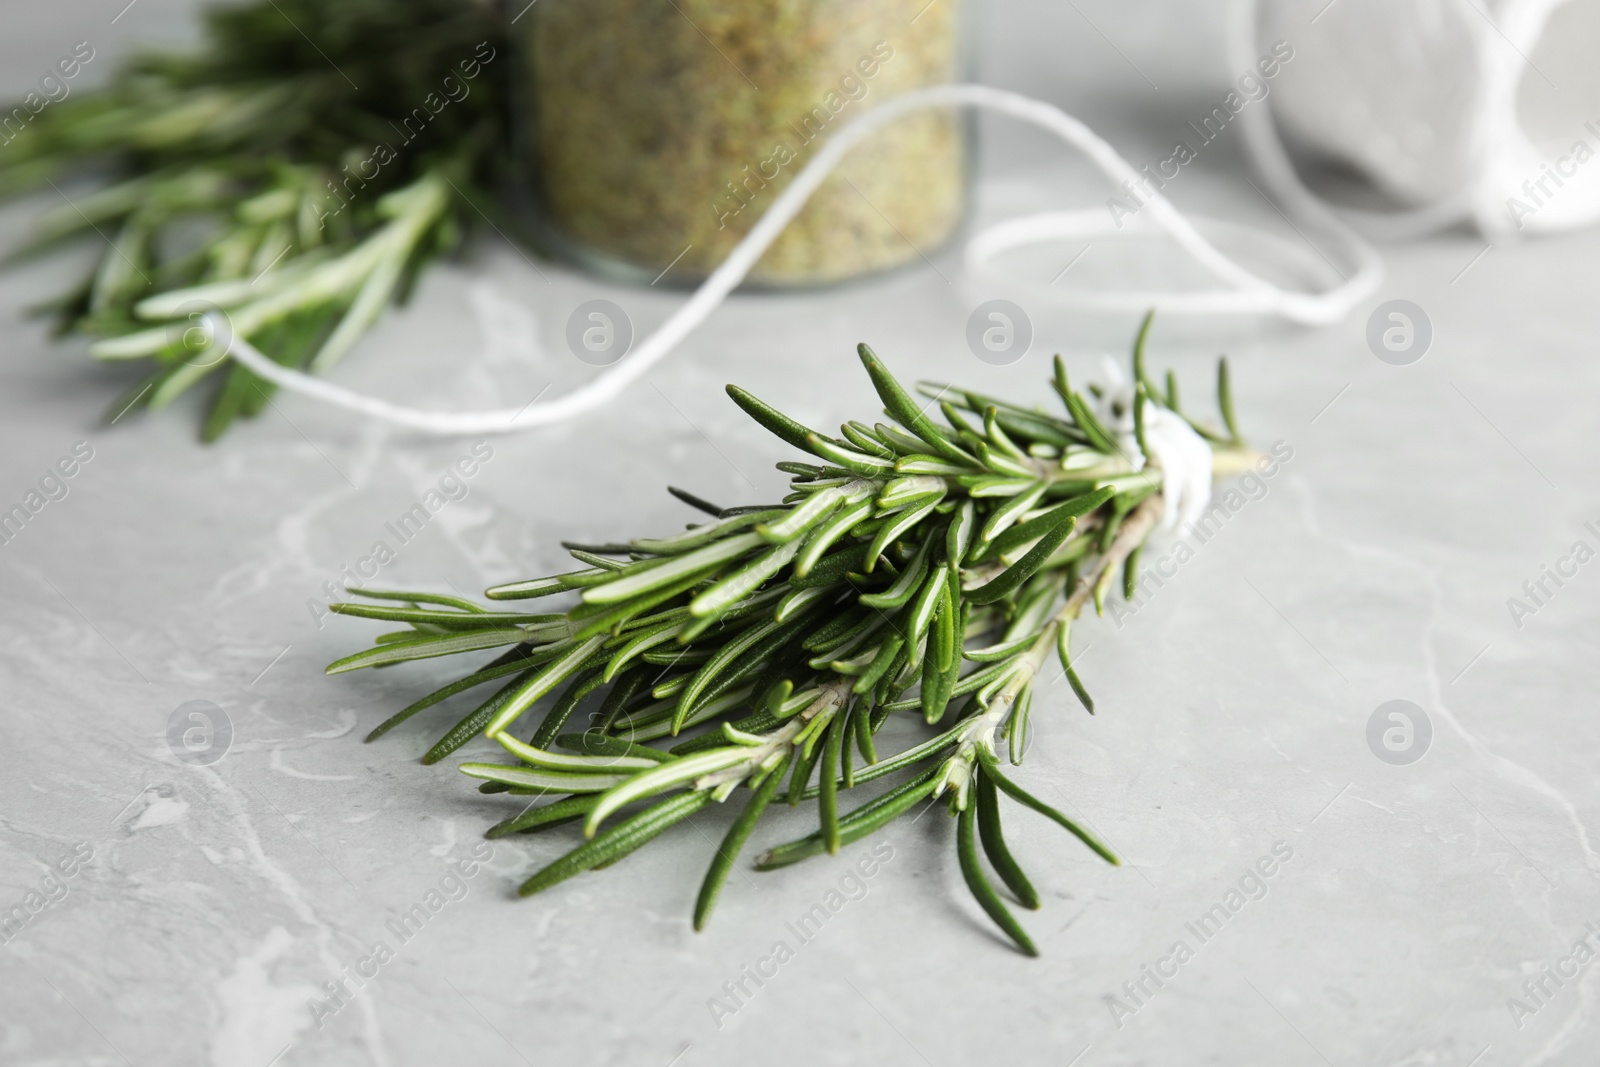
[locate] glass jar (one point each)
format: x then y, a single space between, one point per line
659 131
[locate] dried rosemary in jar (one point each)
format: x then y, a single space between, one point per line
663 129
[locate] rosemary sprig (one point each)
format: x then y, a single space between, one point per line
323 153
919 566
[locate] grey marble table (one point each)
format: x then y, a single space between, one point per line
1294 893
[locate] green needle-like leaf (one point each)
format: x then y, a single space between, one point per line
597 744
903 407
805 762
1011 579
693 501
1140 375
535 756
802 517
1225 399
1064 651
904 587
538 778
1058 381
653 574
896 526
919 616
862 725
1007 514
472 724
828 786
661 778
534 818
991 767
958 535
887 652
1080 690
1141 397
460 603
994 843
556 718
733 843
826 535
787 430
617 842
744 581
426 647
867 819
543 682
477 678
988 899
751 640
865 464
537 587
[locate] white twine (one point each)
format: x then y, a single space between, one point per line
1242 291
1504 34
1182 456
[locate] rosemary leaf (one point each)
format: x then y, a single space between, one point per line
867 819
991 903
733 843
991 767
617 842
994 844
425 647
535 818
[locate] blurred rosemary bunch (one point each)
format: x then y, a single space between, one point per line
920 567
283 184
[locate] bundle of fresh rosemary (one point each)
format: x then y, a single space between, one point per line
916 566
294 175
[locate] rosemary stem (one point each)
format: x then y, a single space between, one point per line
957 773
1135 528
779 743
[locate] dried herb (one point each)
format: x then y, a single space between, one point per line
664 131
919 566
